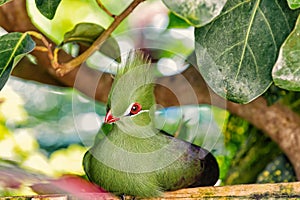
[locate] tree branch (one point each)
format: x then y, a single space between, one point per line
254 191
69 66
100 4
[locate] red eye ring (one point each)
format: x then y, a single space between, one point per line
135 109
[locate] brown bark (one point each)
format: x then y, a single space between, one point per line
255 191
277 121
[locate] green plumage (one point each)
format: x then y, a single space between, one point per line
136 159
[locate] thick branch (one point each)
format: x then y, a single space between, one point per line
255 191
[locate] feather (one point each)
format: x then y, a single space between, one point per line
135 80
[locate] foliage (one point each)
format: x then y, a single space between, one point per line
3 2
67 16
196 13
239 70
13 47
286 71
177 22
294 4
87 33
278 171
242 68
252 156
248 162
47 7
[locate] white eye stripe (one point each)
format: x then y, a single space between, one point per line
127 112
142 111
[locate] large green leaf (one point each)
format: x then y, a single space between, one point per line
237 51
3 2
13 47
47 7
87 33
196 12
294 4
286 72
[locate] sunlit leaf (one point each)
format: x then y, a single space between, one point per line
68 160
87 33
294 4
3 2
47 7
237 51
286 72
196 12
13 47
177 22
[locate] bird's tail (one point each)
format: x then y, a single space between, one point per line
210 174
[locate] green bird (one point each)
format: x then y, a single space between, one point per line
130 156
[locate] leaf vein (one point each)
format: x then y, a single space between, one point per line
228 49
5 50
208 29
284 16
271 31
254 58
247 37
13 53
233 8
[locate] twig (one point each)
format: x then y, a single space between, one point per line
41 48
100 4
64 68
47 47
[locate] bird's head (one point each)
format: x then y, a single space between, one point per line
131 100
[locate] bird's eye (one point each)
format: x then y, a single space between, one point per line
135 108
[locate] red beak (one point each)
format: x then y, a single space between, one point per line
109 118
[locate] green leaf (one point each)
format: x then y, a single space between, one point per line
197 13
13 47
3 2
87 33
177 22
294 4
47 7
237 51
286 72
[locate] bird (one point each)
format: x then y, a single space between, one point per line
130 156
